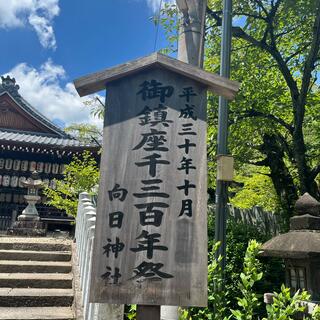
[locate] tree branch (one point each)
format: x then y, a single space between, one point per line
254 113
239 33
314 172
249 15
272 50
261 163
270 19
297 52
311 58
260 4
215 16
312 83
278 35
286 146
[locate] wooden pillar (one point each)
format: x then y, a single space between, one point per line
148 312
191 34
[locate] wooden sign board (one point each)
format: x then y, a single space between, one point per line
151 230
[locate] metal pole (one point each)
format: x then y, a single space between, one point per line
222 186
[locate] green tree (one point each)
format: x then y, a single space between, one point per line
274 121
253 187
81 175
86 133
96 106
275 57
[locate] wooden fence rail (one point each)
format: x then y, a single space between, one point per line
266 222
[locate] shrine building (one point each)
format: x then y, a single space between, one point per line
28 142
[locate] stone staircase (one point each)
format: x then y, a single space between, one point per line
36 279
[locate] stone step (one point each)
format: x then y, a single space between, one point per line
35 266
34 244
42 313
35 280
35 255
35 297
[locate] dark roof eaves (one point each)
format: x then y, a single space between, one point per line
18 99
60 143
34 133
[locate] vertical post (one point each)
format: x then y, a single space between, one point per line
190 50
222 186
191 37
146 312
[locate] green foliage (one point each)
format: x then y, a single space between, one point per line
278 101
270 50
238 236
130 312
81 175
316 313
86 133
168 20
97 107
254 188
284 306
249 301
220 302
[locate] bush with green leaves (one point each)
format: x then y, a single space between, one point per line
238 236
81 175
130 312
249 301
284 305
316 313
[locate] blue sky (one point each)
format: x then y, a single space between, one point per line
45 44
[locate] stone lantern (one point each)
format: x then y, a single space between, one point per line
29 223
33 185
300 247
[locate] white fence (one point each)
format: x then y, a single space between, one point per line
84 235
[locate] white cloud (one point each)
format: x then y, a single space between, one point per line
39 14
42 89
155 4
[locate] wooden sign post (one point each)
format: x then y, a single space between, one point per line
151 233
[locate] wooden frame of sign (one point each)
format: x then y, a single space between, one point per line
150 244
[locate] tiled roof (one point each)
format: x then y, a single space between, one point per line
9 86
35 139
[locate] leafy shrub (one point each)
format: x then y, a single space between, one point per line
284 305
81 175
238 236
248 301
